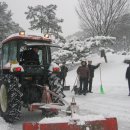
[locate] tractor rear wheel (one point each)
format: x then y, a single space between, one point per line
10 99
57 88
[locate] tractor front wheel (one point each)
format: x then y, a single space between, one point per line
10 99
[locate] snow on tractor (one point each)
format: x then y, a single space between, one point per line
26 69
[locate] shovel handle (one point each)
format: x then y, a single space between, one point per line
100 74
74 83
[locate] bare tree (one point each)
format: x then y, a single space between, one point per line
100 17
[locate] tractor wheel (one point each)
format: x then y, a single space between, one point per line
56 87
10 99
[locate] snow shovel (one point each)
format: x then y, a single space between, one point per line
101 86
76 86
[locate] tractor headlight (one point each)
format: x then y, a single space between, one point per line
46 36
22 33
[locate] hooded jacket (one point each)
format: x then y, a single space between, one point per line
83 71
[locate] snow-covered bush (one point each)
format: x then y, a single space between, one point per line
75 49
62 55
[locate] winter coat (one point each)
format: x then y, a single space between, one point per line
83 72
30 55
92 68
64 71
128 73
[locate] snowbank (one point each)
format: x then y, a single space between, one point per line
4 125
68 119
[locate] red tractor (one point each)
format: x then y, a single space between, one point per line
25 66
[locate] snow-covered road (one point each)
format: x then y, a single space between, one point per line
114 103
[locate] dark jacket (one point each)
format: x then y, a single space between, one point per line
64 71
128 73
83 72
30 55
92 68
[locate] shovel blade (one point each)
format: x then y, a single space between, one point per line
101 89
106 124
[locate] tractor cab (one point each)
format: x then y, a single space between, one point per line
21 49
27 56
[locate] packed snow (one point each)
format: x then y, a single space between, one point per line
115 102
67 119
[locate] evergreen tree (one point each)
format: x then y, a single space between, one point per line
44 18
7 25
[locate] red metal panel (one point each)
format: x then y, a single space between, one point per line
111 124
108 124
96 125
59 126
30 126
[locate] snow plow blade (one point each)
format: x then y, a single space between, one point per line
107 124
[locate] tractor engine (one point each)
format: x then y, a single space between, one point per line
33 75
31 92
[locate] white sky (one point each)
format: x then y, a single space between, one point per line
65 10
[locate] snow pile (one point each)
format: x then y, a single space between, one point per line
4 125
68 119
54 120
82 119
